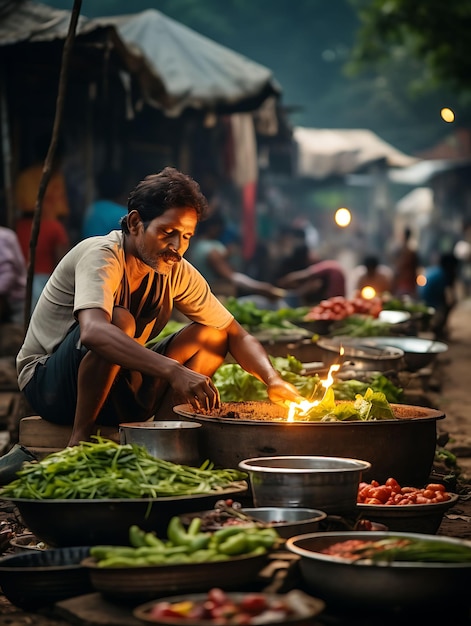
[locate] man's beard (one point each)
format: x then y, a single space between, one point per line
159 263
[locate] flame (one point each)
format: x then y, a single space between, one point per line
304 406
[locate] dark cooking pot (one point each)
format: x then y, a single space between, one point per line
403 448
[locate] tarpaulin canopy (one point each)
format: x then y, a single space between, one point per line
194 70
323 153
175 67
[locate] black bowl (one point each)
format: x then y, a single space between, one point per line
61 523
37 579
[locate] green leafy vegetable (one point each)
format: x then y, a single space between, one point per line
360 326
373 405
236 385
105 469
171 327
254 319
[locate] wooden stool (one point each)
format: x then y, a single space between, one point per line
42 437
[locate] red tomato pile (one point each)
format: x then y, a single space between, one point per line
392 493
338 308
254 608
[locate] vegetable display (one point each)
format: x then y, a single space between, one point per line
360 326
189 545
252 318
218 607
339 307
391 493
400 549
236 385
106 469
399 304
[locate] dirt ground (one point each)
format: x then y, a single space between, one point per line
448 389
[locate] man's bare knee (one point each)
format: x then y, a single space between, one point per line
123 319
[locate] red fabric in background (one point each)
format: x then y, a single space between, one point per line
249 222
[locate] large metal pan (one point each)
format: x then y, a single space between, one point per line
403 448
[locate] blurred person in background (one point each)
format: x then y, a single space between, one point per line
373 274
406 267
319 281
55 204
53 242
439 291
53 239
12 278
104 214
462 251
210 256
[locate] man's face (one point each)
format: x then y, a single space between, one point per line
166 239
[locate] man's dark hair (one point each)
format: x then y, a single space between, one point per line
213 224
371 262
166 190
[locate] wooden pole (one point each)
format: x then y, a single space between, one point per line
6 152
47 167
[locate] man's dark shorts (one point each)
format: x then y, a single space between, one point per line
52 392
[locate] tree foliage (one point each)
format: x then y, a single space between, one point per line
435 32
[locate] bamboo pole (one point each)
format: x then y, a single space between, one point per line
47 167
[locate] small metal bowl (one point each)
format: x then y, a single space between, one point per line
170 440
326 483
286 521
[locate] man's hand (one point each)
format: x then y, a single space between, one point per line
195 389
282 392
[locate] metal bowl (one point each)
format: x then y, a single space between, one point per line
418 352
36 579
394 317
288 521
360 354
329 484
171 440
90 522
304 608
398 585
411 518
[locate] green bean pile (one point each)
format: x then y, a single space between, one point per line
106 469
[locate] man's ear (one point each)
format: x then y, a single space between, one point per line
134 221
